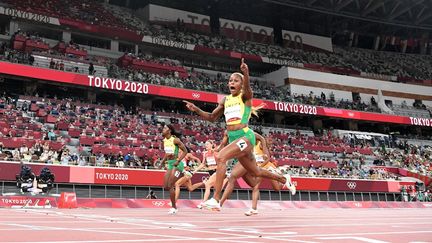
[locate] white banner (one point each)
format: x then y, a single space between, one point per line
159 13
166 42
379 76
316 41
28 16
282 62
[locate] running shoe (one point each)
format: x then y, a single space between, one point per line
172 211
212 204
200 205
289 185
251 212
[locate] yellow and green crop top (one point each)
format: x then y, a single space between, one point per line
170 147
236 112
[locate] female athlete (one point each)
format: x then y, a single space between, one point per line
171 146
187 175
237 108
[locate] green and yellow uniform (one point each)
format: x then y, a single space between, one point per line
236 112
171 148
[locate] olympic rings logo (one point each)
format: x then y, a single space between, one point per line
351 185
196 95
158 203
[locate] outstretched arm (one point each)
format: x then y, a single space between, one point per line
197 160
213 116
246 89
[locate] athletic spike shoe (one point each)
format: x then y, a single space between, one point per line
289 185
172 211
251 212
212 205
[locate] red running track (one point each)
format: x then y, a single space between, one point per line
229 225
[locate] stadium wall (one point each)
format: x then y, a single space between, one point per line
164 14
342 86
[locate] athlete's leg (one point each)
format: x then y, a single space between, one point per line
251 180
167 179
225 182
193 187
232 150
237 172
208 185
255 198
179 183
248 162
174 176
277 186
256 195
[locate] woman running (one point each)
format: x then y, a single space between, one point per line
262 155
237 108
171 146
210 161
187 175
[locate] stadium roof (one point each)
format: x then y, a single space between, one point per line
323 17
403 13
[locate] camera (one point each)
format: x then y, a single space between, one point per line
25 179
45 180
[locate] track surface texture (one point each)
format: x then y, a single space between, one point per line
229 225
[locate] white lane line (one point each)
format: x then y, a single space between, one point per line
30 227
134 240
103 218
365 233
229 229
238 218
362 239
100 218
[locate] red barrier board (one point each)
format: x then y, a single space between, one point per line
118 176
27 201
67 200
178 93
128 177
427 180
101 30
8 170
41 202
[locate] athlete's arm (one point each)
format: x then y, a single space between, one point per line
182 147
164 159
246 89
223 143
204 160
213 116
201 164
